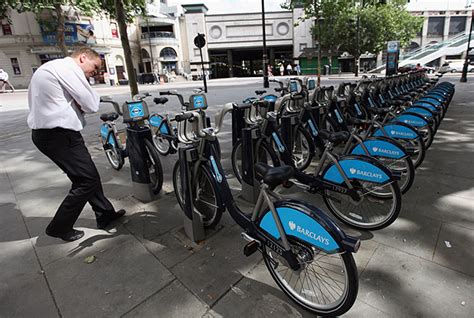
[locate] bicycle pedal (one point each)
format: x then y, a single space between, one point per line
251 248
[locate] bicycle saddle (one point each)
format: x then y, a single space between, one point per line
260 92
379 110
357 121
273 176
334 137
109 116
160 100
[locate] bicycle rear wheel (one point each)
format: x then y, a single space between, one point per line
405 167
154 167
112 151
371 211
327 284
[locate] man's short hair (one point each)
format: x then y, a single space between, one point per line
85 50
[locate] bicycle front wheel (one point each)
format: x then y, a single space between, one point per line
154 167
377 207
303 148
206 199
326 284
264 154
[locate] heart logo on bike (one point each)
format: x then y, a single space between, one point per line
393 132
375 149
292 225
352 170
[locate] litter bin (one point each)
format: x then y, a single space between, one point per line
112 82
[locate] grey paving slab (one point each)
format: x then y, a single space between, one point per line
407 286
252 298
454 248
6 191
210 272
169 249
23 288
450 209
412 233
119 279
15 228
156 218
173 301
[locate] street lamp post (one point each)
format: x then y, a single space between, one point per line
464 69
266 84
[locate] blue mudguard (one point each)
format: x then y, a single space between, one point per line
421 111
427 105
358 168
307 223
249 100
397 131
380 147
155 120
411 119
104 131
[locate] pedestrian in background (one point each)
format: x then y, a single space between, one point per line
282 69
4 81
288 69
58 96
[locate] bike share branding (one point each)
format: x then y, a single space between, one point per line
356 169
104 132
308 233
136 110
280 146
217 174
358 172
396 131
411 120
314 131
379 148
300 225
385 151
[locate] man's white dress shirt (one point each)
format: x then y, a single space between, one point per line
56 90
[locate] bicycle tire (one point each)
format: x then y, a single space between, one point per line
340 264
302 136
261 156
113 155
416 148
162 145
210 218
154 167
361 216
406 167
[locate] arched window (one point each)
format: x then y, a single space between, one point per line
168 53
145 54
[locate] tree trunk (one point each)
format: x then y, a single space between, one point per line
132 78
60 30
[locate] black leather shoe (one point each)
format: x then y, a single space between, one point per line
107 219
70 236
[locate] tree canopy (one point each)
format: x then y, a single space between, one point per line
376 21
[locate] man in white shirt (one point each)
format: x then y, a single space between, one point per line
58 96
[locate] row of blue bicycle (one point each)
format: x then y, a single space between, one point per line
357 145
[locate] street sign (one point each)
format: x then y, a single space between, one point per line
200 40
393 51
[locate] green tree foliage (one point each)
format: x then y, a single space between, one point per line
377 22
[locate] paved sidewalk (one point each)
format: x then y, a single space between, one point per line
422 265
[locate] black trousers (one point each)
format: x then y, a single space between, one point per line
67 150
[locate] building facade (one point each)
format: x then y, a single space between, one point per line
162 41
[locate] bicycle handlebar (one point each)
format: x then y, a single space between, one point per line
183 116
175 93
107 99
